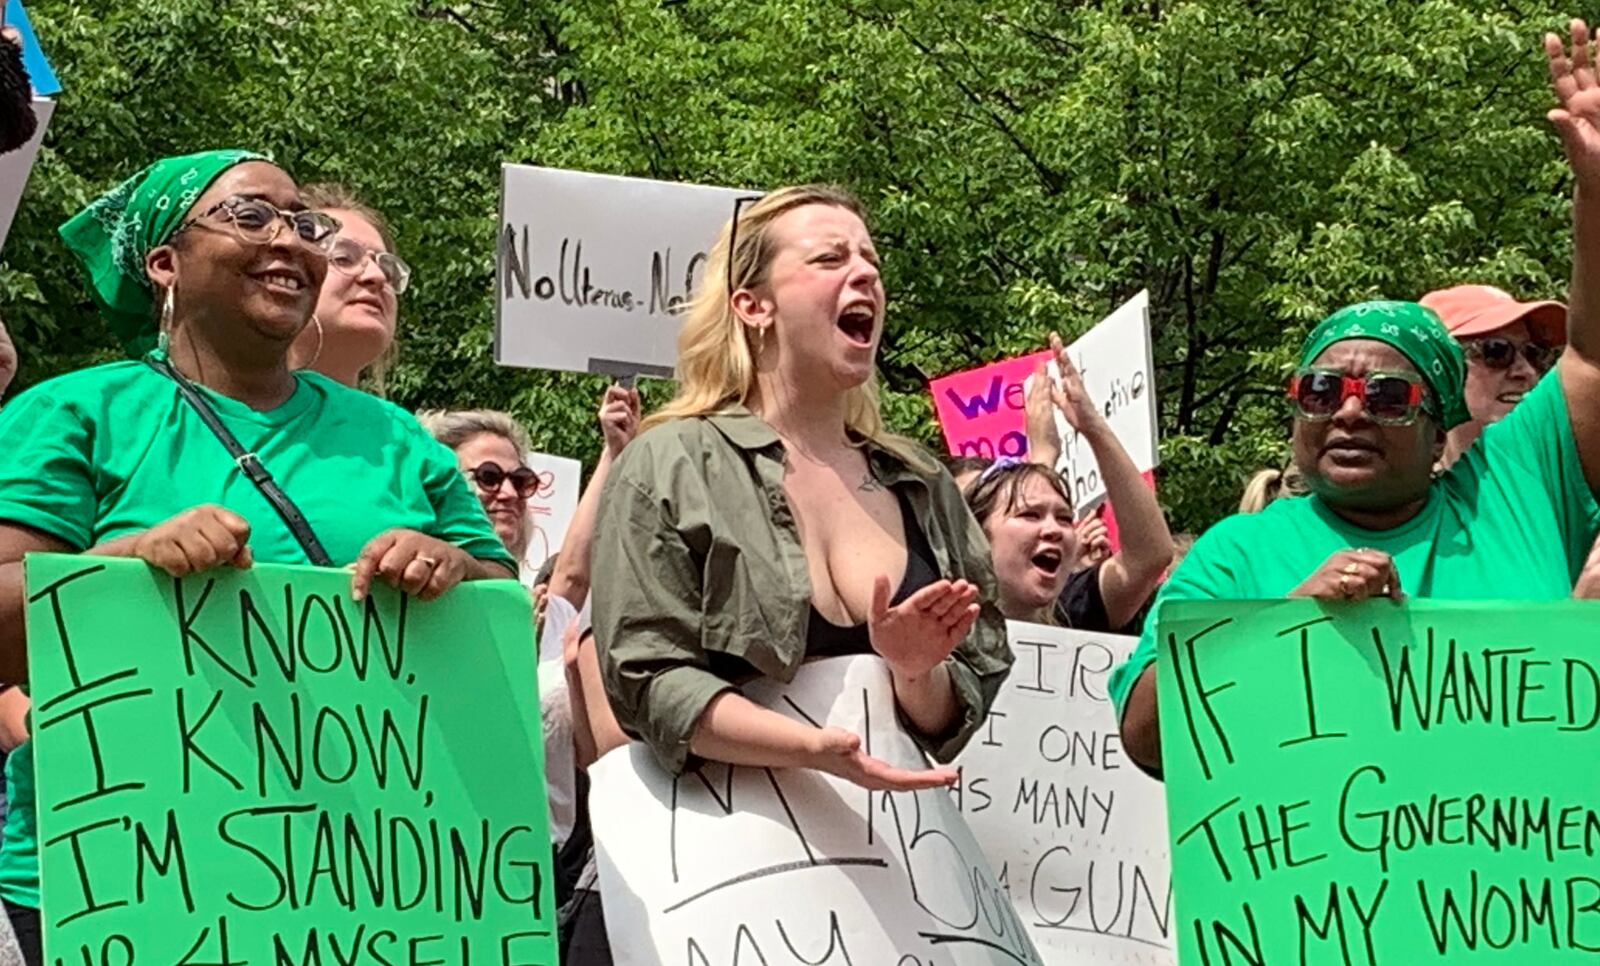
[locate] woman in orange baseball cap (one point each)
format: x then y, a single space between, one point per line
1509 344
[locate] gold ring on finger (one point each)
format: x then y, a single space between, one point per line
432 562
1344 584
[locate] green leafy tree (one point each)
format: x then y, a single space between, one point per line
1029 165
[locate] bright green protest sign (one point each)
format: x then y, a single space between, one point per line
252 768
1382 783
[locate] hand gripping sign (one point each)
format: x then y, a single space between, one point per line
248 766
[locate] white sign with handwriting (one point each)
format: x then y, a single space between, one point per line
1119 374
592 269
793 867
551 507
1075 831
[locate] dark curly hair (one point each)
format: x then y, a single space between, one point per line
17 123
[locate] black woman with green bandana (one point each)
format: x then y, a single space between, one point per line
1378 387
206 267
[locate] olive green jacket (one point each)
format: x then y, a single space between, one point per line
696 552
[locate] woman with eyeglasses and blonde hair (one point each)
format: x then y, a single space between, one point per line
352 334
765 517
207 267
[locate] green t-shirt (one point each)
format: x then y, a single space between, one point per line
1513 519
114 450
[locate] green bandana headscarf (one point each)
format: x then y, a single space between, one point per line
1419 336
112 236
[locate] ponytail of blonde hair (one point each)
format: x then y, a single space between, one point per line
1270 484
716 357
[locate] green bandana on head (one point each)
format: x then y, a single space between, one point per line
1418 335
112 236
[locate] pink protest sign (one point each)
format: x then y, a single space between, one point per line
981 410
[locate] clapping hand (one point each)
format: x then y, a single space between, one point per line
917 634
1070 395
1044 442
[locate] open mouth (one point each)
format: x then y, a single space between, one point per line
1510 398
1048 561
857 323
281 282
1351 446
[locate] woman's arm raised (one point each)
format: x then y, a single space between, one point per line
1132 574
619 421
1577 120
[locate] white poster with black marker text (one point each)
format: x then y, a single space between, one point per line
551 507
793 867
592 270
1075 831
1118 369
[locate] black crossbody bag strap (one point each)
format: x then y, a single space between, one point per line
249 465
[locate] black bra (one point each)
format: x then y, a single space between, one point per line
827 639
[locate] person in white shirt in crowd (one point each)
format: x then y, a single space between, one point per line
491 448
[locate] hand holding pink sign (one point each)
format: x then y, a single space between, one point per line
982 411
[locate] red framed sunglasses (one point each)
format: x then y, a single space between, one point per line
1390 398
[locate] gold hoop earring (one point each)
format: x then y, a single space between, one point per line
316 353
164 332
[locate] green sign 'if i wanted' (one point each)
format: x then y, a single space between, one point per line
251 767
1382 783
